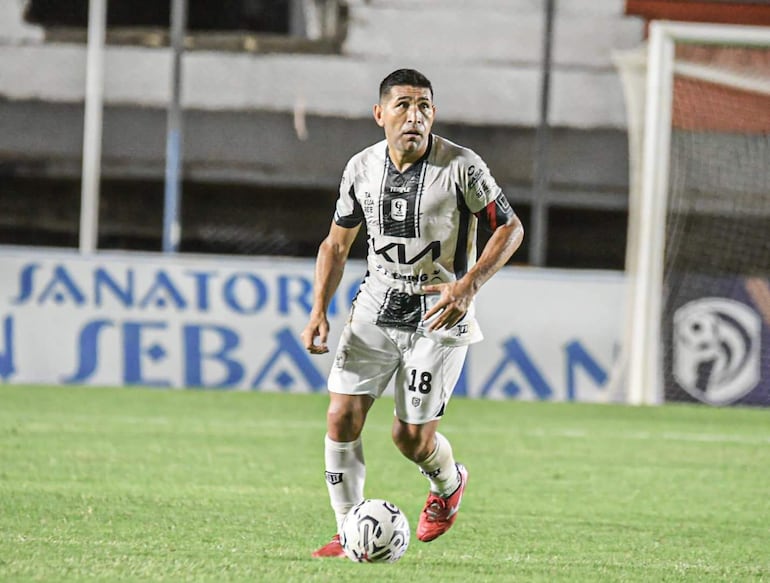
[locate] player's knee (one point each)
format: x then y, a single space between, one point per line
345 421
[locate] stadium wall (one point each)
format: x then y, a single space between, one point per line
233 324
284 119
483 57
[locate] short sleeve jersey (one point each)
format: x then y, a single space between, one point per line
421 226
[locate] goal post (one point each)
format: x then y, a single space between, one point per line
702 159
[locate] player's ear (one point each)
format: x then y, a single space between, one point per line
378 115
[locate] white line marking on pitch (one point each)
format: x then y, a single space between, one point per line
231 426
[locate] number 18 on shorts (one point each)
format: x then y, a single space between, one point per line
424 372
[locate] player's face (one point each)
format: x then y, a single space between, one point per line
406 114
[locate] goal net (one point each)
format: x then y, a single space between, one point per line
698 258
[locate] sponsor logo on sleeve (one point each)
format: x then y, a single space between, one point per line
476 182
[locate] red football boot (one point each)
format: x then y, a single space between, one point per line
439 514
332 549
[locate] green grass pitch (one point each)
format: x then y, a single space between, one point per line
144 485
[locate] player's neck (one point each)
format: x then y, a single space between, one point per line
402 165
405 160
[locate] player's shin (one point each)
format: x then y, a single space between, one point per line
440 468
345 475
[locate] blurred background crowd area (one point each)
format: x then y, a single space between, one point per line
277 96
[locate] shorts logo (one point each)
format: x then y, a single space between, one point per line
716 349
416 401
398 208
340 358
334 478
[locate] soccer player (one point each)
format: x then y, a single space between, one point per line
421 198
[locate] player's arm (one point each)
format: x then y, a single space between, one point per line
330 265
456 296
503 243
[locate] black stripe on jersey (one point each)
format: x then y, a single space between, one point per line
399 201
401 194
355 217
382 187
423 172
400 310
460 265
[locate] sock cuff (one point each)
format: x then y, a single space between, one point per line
329 443
441 443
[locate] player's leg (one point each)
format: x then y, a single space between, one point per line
365 361
345 469
447 478
424 386
432 453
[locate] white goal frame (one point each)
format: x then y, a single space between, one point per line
647 216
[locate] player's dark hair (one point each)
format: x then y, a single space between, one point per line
404 77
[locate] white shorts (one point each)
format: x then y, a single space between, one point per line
425 372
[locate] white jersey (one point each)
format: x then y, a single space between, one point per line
421 226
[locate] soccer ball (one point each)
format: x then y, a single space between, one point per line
375 531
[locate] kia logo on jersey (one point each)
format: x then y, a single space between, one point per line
434 248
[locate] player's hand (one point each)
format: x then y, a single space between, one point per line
317 327
452 305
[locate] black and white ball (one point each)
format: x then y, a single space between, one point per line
375 531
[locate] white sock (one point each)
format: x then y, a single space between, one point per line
440 468
345 475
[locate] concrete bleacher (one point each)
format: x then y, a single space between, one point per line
483 56
243 107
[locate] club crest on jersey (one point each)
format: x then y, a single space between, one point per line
398 208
